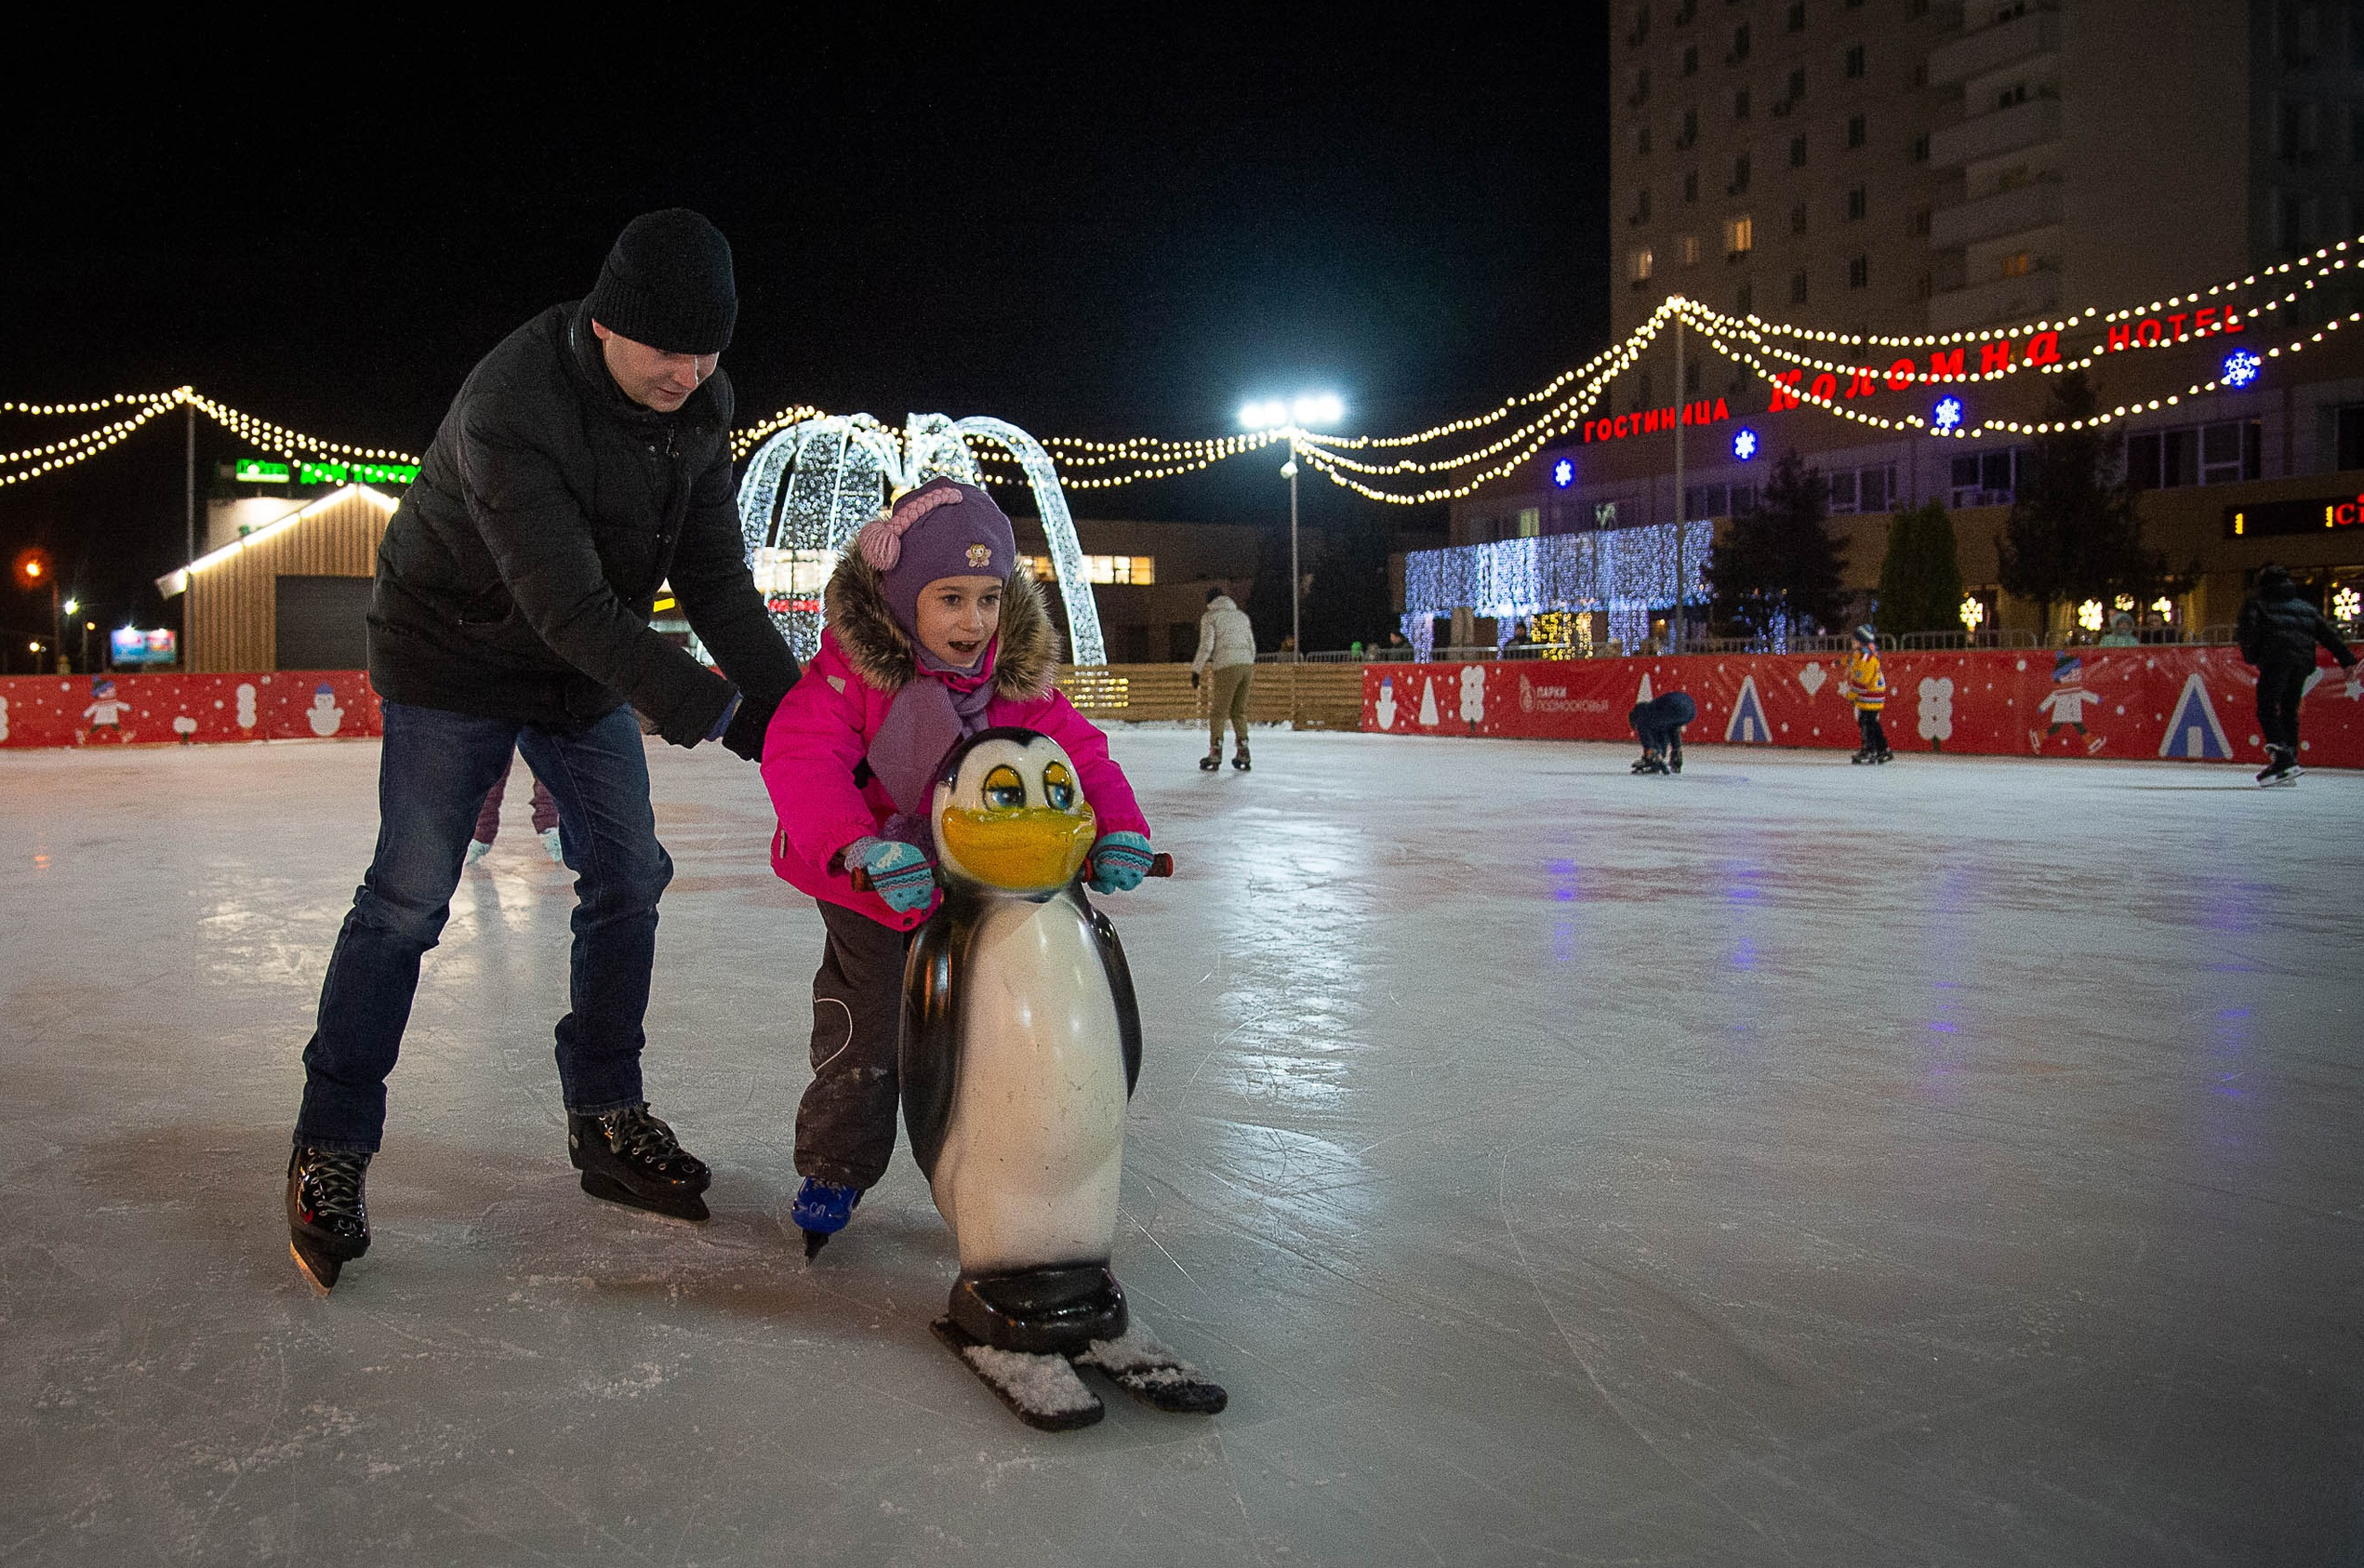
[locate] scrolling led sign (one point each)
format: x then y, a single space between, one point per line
2270 519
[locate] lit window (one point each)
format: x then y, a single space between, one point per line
1642 262
1136 571
2018 264
1740 236
1691 250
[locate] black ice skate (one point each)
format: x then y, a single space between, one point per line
1674 757
1212 760
2281 767
631 1158
1240 759
327 1220
1862 756
1883 755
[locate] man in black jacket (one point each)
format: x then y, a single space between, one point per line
2278 632
585 461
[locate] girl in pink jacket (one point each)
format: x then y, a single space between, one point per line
935 633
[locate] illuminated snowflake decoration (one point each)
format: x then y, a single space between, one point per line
1563 473
1743 444
2240 367
809 487
1947 415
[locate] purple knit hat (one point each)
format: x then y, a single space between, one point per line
942 530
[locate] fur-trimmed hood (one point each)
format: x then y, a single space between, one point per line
854 607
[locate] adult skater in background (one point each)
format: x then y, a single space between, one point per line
2278 633
1866 686
1658 722
1227 653
586 460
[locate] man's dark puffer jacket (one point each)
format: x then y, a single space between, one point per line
2277 626
517 578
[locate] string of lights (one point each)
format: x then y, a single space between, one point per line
1777 352
95 442
2325 260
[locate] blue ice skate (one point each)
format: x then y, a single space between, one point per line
822 1208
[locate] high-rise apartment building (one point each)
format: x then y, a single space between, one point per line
1904 166
1775 157
2003 174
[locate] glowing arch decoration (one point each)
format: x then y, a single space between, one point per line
814 483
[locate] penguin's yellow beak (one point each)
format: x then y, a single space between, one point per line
1023 848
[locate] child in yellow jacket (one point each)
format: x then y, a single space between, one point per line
1866 687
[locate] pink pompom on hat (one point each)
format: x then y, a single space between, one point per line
942 530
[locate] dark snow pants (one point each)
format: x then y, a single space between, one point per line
845 1123
1875 737
2280 684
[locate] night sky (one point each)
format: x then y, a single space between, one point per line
1090 235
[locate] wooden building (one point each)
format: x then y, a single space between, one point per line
292 595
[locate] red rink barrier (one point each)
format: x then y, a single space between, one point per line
2196 703
144 709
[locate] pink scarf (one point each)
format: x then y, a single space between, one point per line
937 709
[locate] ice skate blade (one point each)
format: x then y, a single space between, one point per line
319 1273
690 1208
1154 1376
1043 1391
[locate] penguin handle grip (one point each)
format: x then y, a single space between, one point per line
1161 865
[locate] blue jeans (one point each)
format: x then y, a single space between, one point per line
433 773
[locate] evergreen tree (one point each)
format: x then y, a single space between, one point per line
2074 533
1775 571
1920 579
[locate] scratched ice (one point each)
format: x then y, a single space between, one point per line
1953 1162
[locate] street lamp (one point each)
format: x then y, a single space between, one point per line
1293 418
58 631
34 573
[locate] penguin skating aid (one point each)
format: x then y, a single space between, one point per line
1022 1042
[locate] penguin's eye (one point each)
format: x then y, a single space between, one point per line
1058 787
1004 791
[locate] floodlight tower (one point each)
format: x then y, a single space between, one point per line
1310 411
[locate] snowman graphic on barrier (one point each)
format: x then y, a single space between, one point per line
324 714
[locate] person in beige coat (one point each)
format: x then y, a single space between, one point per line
1226 651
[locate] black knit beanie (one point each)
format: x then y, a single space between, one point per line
667 283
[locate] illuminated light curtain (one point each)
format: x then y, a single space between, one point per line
813 484
1621 574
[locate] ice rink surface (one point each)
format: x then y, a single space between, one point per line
1950 1162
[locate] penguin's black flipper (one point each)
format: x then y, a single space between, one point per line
929 1054
1128 1006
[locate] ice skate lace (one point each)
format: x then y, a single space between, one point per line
635 1134
334 1182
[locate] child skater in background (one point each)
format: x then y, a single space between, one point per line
1866 687
934 633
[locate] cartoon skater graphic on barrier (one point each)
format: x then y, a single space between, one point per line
2066 702
105 712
